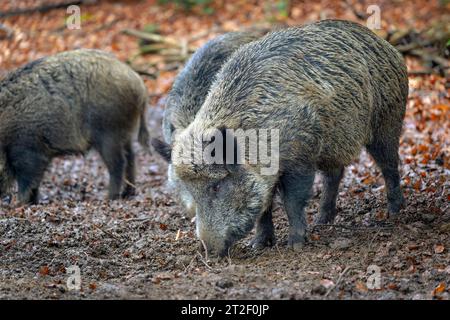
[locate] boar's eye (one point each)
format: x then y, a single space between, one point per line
215 188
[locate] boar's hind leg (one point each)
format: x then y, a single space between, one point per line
385 154
295 193
130 189
264 231
29 167
331 180
113 155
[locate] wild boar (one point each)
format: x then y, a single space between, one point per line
66 104
329 89
189 92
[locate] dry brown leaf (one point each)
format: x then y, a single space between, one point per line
439 248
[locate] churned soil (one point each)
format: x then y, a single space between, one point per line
146 247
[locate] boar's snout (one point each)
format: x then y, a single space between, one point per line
213 243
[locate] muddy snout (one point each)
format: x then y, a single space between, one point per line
211 245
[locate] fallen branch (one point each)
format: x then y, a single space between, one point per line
359 14
351 228
44 8
107 233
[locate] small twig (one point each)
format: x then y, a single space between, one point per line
107 232
130 184
206 249
203 261
279 251
351 228
190 263
360 15
137 219
43 8
338 281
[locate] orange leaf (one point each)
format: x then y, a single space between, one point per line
392 286
423 148
163 226
44 270
407 180
439 248
361 286
417 184
439 289
442 107
315 237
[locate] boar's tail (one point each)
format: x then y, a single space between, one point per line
143 135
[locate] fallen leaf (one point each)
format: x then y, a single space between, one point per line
163 226
439 248
361 286
439 289
315 237
392 286
44 270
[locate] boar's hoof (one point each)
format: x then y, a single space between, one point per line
262 240
325 218
394 206
128 193
296 242
115 196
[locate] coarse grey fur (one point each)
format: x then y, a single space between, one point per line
190 89
331 88
66 104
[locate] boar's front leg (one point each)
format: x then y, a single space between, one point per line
29 167
265 235
295 192
113 155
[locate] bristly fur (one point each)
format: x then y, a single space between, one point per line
331 88
189 91
66 104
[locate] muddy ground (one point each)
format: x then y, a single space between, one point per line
146 247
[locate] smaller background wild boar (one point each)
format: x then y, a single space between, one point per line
66 104
190 90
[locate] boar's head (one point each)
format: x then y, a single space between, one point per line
230 194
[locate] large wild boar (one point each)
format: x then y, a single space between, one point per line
66 104
330 88
190 90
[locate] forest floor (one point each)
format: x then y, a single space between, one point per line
146 247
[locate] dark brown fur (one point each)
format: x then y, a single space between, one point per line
190 89
331 88
67 104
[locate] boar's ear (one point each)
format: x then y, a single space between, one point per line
164 149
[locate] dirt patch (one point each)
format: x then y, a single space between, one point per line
146 247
